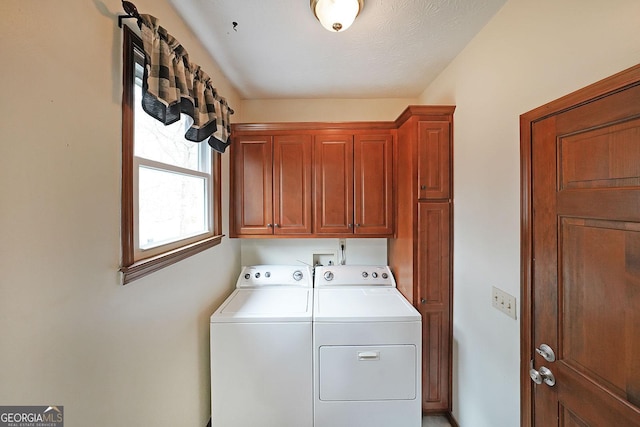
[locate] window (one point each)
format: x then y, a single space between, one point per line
170 186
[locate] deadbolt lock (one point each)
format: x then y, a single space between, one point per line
546 352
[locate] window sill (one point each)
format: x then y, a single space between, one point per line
147 266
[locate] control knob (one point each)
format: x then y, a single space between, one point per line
328 276
365 274
297 275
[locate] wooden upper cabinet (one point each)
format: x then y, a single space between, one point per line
312 179
373 176
292 184
252 185
271 185
354 184
434 157
333 184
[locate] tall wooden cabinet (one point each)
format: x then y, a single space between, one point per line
420 255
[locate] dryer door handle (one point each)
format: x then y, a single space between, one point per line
368 355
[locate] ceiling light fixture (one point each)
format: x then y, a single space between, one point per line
336 15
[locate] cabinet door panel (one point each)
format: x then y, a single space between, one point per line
292 184
434 296
433 160
253 196
373 176
333 184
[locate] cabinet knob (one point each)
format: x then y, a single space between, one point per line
349 225
278 225
357 225
269 225
423 187
423 301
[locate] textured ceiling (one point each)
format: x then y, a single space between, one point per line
278 49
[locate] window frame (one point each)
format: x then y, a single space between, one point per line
132 268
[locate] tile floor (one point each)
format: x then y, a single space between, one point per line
435 421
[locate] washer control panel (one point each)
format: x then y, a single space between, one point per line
354 275
255 276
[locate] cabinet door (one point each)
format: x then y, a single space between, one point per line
434 296
333 168
434 154
373 175
252 185
292 184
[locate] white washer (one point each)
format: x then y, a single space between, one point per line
261 350
367 350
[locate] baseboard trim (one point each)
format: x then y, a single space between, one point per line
452 420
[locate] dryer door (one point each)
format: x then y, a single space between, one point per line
364 373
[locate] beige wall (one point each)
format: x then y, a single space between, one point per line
531 53
134 355
322 110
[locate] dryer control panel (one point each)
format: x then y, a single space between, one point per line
354 275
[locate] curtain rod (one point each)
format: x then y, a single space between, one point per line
130 9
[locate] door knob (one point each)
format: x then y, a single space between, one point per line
535 376
543 375
546 352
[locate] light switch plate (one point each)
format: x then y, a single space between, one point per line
503 301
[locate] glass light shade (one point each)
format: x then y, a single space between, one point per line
336 15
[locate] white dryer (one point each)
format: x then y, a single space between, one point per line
367 350
261 350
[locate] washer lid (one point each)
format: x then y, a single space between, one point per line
269 304
366 304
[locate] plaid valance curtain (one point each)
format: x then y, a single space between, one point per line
172 85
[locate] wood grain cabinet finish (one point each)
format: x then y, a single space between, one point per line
252 185
434 294
434 154
354 184
271 185
373 184
333 170
312 179
420 254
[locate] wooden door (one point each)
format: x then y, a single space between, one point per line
584 262
252 185
434 296
292 184
333 184
434 160
373 176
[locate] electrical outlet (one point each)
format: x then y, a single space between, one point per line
503 301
